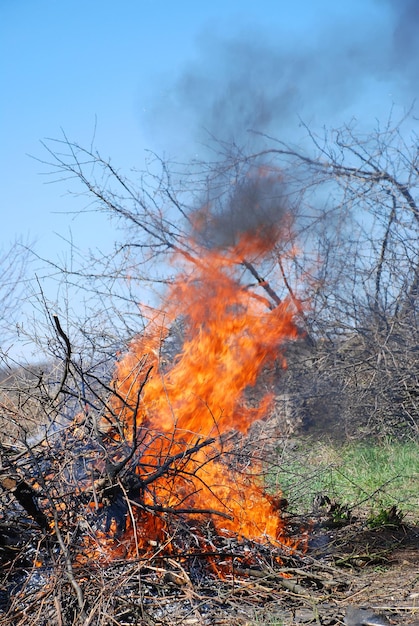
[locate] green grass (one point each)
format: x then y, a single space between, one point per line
370 476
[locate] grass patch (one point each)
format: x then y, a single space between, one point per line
374 476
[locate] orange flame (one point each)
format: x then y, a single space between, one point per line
188 407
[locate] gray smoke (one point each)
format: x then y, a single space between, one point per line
405 59
258 82
253 82
255 206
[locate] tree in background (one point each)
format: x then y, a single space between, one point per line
13 276
357 203
344 214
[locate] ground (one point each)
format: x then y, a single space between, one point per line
380 567
343 562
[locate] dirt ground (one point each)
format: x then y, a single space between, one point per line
344 567
377 569
369 569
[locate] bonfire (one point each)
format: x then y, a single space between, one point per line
153 478
178 418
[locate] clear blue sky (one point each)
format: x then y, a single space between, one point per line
149 71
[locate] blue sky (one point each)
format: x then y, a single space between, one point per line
146 74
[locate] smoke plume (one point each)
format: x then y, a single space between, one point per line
353 65
357 64
254 207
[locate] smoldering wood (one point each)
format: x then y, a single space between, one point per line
26 496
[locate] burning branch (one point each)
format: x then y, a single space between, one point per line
183 511
168 463
262 282
26 496
113 469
